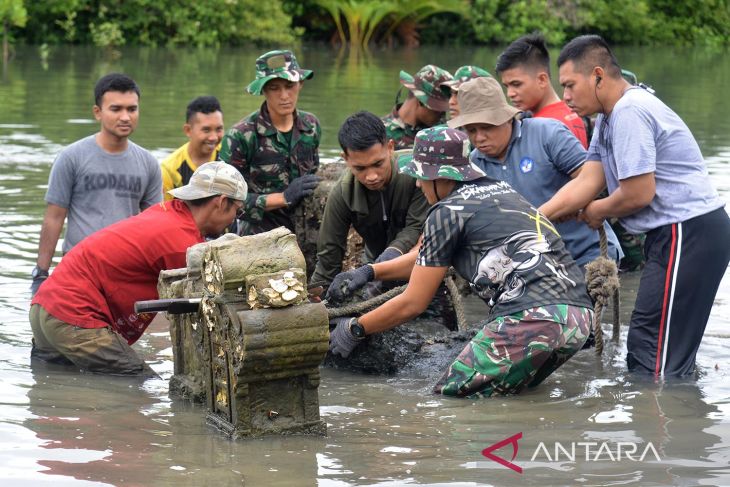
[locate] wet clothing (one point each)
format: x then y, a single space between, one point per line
512 256
97 283
687 246
561 112
269 161
392 217
685 263
98 188
514 260
97 350
177 169
541 156
402 134
517 351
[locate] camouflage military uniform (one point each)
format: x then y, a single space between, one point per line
268 159
426 87
268 163
514 260
400 132
518 350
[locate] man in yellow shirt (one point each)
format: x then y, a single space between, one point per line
204 129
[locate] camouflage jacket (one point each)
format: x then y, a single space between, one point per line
402 134
269 162
392 217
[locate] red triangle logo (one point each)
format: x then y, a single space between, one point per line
487 452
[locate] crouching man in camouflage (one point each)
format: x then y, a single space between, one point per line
276 148
513 258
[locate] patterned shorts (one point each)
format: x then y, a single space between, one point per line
518 350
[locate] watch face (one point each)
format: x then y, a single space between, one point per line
38 272
357 330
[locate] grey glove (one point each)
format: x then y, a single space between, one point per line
342 341
39 277
388 254
300 188
346 283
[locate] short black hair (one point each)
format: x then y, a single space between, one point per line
589 51
361 131
529 50
202 104
114 82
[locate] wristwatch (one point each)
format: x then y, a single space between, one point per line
38 272
356 329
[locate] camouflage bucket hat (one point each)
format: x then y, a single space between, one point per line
426 86
277 64
440 153
462 75
213 179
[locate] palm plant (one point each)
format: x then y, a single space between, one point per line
364 17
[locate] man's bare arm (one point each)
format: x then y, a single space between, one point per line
50 232
632 195
577 193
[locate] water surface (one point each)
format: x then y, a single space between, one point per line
63 428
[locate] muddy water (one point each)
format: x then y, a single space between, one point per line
62 428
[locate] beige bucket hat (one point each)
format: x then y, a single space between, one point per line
482 100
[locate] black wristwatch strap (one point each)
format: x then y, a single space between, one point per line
38 272
356 329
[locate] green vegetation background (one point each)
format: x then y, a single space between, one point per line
234 22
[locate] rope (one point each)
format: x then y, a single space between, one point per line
372 303
603 285
367 305
456 302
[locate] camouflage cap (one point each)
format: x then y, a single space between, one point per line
426 86
462 75
440 153
213 179
277 64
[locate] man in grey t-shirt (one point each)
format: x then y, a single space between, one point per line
657 183
100 179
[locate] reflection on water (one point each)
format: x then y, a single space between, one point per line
58 427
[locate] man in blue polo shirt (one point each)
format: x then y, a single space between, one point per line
536 156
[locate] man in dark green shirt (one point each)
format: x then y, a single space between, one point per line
276 148
383 206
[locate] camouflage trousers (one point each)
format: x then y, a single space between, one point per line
516 351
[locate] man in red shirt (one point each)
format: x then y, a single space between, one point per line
84 313
525 71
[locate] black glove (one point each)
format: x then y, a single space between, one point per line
39 276
346 283
388 254
342 341
300 188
